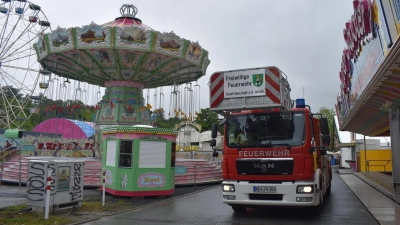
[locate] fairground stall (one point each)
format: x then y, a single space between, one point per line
139 160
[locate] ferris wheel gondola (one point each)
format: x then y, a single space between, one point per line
22 24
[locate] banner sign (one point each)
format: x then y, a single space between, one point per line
244 83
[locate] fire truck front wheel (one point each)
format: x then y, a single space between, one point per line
240 209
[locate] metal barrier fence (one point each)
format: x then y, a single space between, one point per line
207 155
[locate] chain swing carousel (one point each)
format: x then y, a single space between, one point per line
125 56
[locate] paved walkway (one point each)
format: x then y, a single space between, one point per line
375 191
11 195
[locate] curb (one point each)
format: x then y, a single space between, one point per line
378 188
141 207
85 221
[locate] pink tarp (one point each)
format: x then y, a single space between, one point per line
61 126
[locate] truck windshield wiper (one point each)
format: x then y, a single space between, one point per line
269 144
266 144
283 144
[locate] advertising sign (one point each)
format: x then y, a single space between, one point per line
395 5
381 21
108 177
365 67
180 170
244 83
151 180
63 178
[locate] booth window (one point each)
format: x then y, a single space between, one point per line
125 154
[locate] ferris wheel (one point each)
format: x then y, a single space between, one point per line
22 24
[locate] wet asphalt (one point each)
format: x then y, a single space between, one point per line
206 207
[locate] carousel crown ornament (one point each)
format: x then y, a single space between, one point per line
128 10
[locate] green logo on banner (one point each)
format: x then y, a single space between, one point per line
258 80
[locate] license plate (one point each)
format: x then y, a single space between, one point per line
269 189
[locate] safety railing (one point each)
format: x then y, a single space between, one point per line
382 163
207 155
5 155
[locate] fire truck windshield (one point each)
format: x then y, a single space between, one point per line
265 129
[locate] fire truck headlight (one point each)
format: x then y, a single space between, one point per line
228 187
305 189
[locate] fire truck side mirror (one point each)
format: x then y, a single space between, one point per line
213 142
215 154
326 139
324 126
214 130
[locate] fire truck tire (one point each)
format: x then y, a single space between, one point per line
328 191
239 209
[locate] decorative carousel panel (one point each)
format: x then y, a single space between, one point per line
205 64
99 74
62 59
130 63
170 44
93 36
108 112
129 113
102 57
189 73
157 63
129 58
194 53
141 76
41 48
62 64
111 72
60 39
171 66
134 38
129 74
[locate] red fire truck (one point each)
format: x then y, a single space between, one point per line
273 153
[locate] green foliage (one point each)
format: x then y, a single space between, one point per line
49 108
329 114
206 118
161 122
13 99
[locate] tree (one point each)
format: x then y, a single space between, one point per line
329 114
161 122
206 118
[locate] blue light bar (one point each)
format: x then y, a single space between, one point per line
300 103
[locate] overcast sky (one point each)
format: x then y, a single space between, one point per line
302 38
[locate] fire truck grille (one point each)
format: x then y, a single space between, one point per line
262 167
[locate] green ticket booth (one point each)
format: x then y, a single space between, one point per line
139 160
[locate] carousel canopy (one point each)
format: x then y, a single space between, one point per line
70 129
123 49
